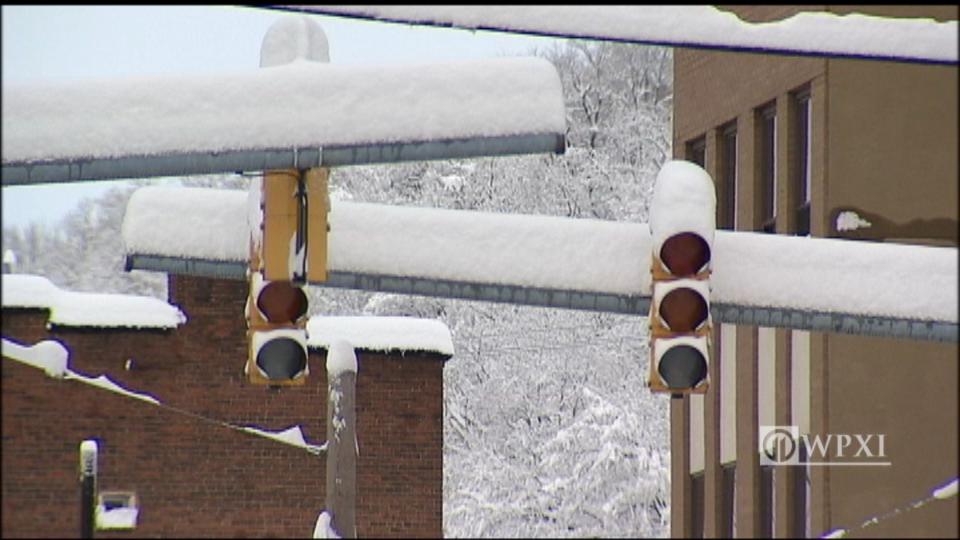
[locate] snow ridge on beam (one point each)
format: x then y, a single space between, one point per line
189 163
846 323
549 253
298 115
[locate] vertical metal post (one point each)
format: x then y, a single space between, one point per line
88 487
341 488
681 486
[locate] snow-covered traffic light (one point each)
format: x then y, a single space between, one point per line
277 336
682 224
277 305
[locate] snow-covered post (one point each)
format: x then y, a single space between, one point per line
342 449
88 487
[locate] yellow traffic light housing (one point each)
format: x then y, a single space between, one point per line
276 335
680 322
291 250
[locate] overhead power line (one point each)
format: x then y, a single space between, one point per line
945 491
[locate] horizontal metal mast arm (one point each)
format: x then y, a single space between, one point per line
188 163
846 323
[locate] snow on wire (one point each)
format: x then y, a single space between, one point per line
52 357
943 492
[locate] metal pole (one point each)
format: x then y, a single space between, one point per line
88 487
342 450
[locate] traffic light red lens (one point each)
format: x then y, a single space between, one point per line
682 366
281 302
685 254
683 310
282 358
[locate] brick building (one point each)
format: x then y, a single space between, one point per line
194 473
792 143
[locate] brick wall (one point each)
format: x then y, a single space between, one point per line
194 477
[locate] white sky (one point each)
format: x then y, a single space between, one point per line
47 43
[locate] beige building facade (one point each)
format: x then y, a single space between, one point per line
794 143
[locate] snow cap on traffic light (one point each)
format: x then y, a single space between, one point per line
683 217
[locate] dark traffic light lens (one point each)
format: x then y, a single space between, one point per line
682 366
685 254
683 309
281 302
282 358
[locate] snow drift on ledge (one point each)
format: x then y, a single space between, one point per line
69 308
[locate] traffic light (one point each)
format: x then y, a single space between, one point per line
279 267
682 223
277 336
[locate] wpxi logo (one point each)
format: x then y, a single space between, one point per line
781 445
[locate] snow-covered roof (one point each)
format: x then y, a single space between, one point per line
302 104
380 334
82 309
818 33
749 269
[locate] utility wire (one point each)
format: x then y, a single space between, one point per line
71 375
943 492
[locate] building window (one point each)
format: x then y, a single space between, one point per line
727 199
766 501
697 504
801 494
803 151
697 151
728 474
768 168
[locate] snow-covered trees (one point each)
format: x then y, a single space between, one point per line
85 251
549 429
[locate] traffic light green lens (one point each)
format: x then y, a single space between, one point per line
682 366
281 302
282 358
685 254
683 310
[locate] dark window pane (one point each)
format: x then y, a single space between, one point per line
803 220
766 502
768 167
696 505
697 151
727 196
802 478
802 150
728 474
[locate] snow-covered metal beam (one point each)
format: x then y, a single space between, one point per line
183 164
300 115
562 262
845 323
921 40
